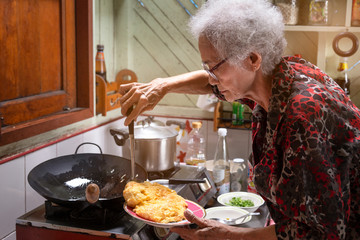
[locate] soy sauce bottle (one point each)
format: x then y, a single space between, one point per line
100 68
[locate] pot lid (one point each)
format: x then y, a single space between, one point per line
153 132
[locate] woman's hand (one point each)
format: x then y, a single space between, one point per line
143 96
208 229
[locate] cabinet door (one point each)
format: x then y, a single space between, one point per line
37 66
45 65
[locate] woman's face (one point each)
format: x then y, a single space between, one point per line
233 82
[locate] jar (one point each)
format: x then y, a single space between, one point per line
319 12
355 16
290 10
238 175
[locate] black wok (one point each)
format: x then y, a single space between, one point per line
63 180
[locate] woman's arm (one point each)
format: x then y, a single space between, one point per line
145 96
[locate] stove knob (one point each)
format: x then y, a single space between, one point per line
205 186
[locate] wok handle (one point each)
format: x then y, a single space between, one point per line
184 181
88 143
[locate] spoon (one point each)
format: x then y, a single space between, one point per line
233 220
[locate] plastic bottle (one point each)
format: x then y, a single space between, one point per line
100 68
238 113
196 146
221 169
239 175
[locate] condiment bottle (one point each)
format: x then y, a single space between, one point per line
100 68
196 146
238 113
290 11
319 12
355 16
239 175
221 169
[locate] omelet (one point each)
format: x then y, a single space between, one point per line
155 202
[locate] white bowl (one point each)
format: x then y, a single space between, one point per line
256 199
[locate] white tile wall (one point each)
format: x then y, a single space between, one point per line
12 185
68 146
33 199
18 197
11 236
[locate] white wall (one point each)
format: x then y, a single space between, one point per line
17 197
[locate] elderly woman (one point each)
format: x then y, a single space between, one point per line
306 137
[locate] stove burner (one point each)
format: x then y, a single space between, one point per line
94 215
162 174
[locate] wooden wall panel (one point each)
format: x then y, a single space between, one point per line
8 60
50 68
28 48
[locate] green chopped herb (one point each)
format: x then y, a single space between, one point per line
238 202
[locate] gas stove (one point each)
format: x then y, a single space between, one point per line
50 221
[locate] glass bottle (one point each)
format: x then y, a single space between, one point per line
239 175
221 169
196 146
100 68
290 10
319 12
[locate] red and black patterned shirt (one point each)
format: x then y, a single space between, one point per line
306 153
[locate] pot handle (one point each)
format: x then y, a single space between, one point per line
120 136
88 143
182 125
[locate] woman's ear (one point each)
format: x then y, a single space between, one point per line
255 61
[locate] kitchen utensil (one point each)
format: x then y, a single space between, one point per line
63 180
132 145
155 146
233 221
224 212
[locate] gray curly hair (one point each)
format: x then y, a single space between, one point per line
238 27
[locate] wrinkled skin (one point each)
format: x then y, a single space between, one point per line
207 229
142 96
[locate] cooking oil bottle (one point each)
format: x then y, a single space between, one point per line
221 169
196 147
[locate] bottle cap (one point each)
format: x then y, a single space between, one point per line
222 132
100 47
196 125
238 160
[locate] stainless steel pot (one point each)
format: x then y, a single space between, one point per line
155 146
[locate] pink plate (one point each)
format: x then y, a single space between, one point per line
192 206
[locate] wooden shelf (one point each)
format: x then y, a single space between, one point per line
107 94
222 119
301 28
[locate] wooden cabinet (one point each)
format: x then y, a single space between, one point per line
46 67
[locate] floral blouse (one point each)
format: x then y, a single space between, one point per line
306 153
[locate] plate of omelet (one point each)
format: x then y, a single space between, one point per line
158 205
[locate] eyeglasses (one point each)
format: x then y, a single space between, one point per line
211 71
